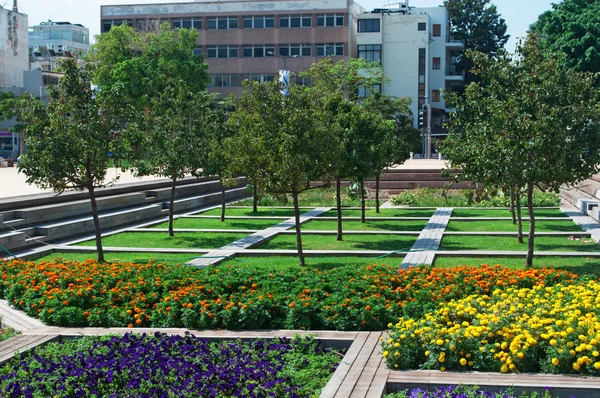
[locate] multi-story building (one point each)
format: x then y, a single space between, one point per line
13 47
417 53
49 41
252 40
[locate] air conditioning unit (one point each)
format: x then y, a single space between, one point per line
36 51
51 49
59 49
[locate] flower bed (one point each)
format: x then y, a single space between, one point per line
345 298
159 365
464 392
550 329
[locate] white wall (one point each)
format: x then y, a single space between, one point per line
12 65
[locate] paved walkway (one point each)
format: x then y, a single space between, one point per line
423 251
584 221
231 249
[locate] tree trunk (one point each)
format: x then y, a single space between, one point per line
512 205
338 203
172 205
298 231
530 241
377 193
255 200
361 186
99 248
519 216
223 200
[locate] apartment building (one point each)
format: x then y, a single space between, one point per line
252 40
13 47
50 40
417 52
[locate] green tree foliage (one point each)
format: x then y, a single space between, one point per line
479 25
68 142
531 122
285 139
573 27
8 106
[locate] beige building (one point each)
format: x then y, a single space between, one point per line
253 39
14 55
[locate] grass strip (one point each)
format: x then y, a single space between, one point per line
508 226
262 212
190 240
383 213
213 223
130 257
509 243
481 212
383 225
350 242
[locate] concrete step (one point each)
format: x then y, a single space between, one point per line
11 240
164 194
194 202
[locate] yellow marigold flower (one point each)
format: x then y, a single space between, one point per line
576 366
555 361
463 361
553 342
520 355
439 342
595 353
597 365
442 368
385 354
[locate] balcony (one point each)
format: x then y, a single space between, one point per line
453 73
453 43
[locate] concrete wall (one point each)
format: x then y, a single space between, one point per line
13 61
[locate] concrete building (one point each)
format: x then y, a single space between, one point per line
50 40
14 58
417 53
248 39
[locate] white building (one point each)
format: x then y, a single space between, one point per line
50 40
416 52
14 59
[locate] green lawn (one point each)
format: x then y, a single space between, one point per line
382 225
191 240
578 265
139 258
262 211
509 243
316 262
213 223
507 226
350 242
383 213
481 212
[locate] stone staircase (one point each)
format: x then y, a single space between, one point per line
585 196
24 226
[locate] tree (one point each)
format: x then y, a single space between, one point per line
393 145
572 27
338 85
68 142
172 138
285 137
8 106
543 131
479 25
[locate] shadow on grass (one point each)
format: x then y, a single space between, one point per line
367 226
350 242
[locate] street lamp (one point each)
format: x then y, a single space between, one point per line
282 57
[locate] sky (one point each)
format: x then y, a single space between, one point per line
519 14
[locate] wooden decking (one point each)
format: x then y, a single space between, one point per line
22 343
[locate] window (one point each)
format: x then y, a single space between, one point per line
187 23
259 22
324 50
364 92
436 64
303 81
222 23
326 20
437 30
422 27
295 21
421 92
108 24
435 96
371 52
224 80
258 77
295 50
369 25
222 52
198 51
259 51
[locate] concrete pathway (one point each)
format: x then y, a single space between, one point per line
584 221
216 256
423 251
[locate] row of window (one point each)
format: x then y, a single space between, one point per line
232 79
249 22
374 25
268 50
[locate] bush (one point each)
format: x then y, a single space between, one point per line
429 197
157 295
550 329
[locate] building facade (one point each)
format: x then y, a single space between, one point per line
14 58
252 40
49 41
417 53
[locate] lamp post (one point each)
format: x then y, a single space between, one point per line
284 74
